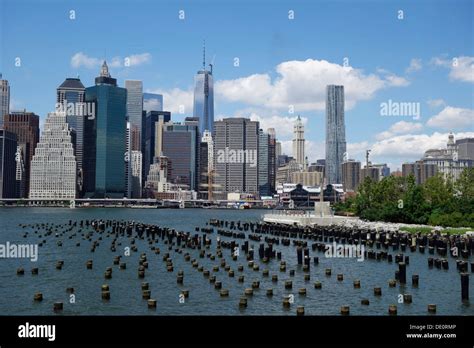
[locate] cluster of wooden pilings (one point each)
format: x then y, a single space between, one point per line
259 245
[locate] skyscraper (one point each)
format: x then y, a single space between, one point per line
204 97
70 99
181 146
278 149
136 137
128 160
8 147
4 99
134 111
263 164
133 166
206 166
236 156
335 133
53 168
105 136
154 136
26 127
298 142
272 159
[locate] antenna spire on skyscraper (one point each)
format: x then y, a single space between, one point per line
204 55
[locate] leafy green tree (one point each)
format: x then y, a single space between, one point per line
439 193
438 201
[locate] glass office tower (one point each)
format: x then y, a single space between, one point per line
335 133
105 136
204 98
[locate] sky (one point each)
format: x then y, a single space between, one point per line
272 61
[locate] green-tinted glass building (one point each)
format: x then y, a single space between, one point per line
104 139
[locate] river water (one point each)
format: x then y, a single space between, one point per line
436 286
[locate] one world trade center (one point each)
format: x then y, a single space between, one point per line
204 97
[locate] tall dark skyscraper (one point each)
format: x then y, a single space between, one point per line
335 133
8 147
26 127
105 138
236 156
154 136
70 95
181 146
204 97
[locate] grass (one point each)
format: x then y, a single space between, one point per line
453 230
423 230
427 229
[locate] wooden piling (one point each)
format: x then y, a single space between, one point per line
345 310
392 309
465 286
402 272
432 308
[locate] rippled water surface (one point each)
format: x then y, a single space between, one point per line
441 287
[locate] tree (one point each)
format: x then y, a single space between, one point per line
439 193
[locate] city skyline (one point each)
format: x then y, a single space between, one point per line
237 158
270 73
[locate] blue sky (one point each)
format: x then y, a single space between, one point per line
427 58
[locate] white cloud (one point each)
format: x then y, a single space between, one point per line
254 89
139 59
401 127
357 150
303 85
415 65
177 100
461 68
115 62
434 103
452 118
81 59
